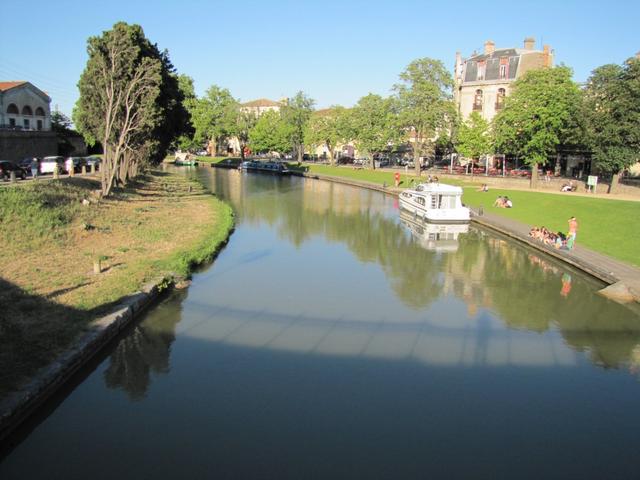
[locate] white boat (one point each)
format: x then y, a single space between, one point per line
437 237
435 202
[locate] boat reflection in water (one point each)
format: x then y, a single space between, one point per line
438 237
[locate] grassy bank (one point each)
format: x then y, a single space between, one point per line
49 294
606 226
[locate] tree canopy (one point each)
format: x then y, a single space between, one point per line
373 125
612 101
270 133
538 116
296 114
473 140
424 104
327 128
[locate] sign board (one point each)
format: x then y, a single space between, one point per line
592 180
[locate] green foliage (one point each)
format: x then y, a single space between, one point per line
271 134
327 128
242 122
213 116
425 104
373 125
612 101
473 139
539 115
296 114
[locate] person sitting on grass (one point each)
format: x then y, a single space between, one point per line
483 188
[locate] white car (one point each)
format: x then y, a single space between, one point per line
48 164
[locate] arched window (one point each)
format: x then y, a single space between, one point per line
13 109
477 101
26 110
39 112
500 98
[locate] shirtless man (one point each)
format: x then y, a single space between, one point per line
573 231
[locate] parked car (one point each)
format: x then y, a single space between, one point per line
93 161
48 164
345 160
25 164
74 162
6 167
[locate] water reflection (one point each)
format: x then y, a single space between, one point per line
433 236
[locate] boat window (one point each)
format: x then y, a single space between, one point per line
420 200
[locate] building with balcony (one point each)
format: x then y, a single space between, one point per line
484 80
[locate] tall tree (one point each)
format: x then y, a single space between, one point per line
271 134
296 114
473 138
211 116
425 104
373 125
327 128
243 123
119 96
538 116
612 101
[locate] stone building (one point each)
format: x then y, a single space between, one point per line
483 80
262 105
24 107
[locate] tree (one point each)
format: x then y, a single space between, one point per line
373 125
612 101
473 138
296 114
424 104
243 123
212 116
119 89
327 128
538 116
270 133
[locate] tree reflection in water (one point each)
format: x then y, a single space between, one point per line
496 279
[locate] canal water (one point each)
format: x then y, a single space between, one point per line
335 338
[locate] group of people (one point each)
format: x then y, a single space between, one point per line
569 187
503 202
557 239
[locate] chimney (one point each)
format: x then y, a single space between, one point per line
546 55
489 47
529 43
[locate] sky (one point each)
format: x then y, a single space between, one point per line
334 51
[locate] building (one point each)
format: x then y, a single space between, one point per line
483 80
262 105
24 107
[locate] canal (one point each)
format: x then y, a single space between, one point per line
335 338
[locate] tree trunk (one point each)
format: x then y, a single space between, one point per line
241 151
299 149
416 158
332 157
615 181
534 176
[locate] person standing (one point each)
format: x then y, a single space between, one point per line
34 167
573 232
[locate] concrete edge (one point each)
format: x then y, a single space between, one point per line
565 257
20 405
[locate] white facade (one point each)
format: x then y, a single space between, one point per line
24 107
484 80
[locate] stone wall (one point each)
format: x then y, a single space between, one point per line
16 145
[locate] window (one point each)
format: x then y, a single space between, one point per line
39 112
12 122
482 68
26 123
504 68
500 98
12 109
477 101
39 124
26 110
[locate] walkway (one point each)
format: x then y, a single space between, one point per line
611 271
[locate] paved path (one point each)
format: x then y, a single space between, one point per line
601 266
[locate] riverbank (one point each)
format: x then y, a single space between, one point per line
623 276
54 236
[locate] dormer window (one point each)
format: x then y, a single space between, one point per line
504 68
482 68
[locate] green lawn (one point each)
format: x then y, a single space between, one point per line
608 226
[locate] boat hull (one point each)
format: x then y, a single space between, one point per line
440 215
